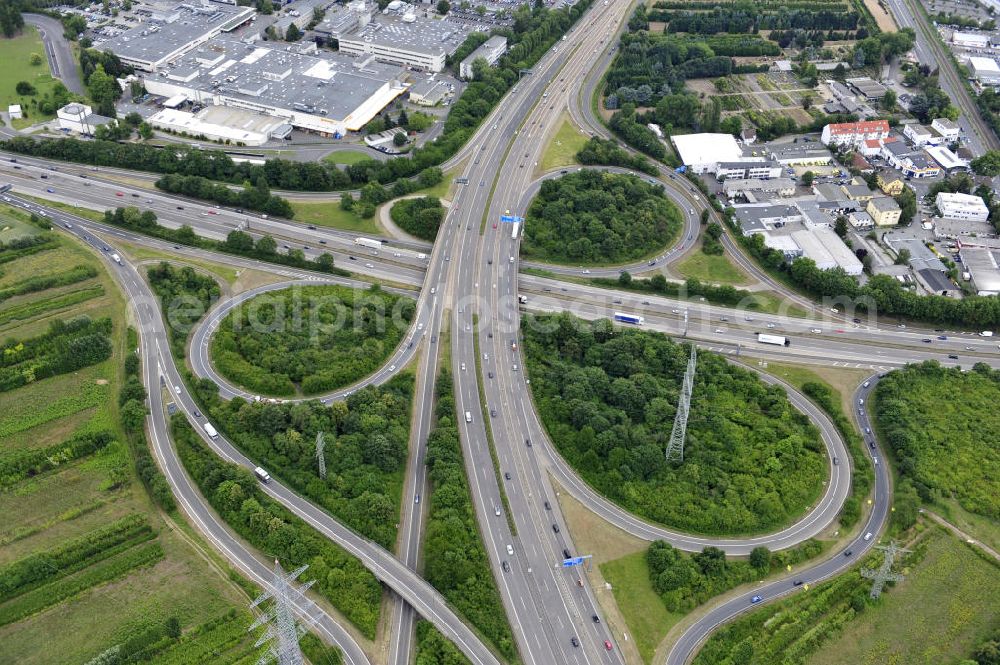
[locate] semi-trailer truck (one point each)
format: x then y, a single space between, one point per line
777 340
368 242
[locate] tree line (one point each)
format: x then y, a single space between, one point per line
599 217
66 347
44 282
419 217
257 197
749 19
608 397
267 525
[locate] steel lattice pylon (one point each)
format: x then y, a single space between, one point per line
884 573
675 448
320 457
282 631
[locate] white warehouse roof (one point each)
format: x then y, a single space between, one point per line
984 65
695 149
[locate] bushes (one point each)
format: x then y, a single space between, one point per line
593 216
420 217
258 197
608 396
598 151
66 347
19 464
270 527
43 282
718 295
314 339
455 562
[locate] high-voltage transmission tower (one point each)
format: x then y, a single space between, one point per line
884 573
282 631
320 458
675 448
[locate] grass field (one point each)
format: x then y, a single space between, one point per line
843 382
562 147
977 526
347 157
86 495
15 53
712 268
331 215
14 229
937 615
639 604
86 213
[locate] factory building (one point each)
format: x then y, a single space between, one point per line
173 30
702 153
490 51
961 206
985 70
983 266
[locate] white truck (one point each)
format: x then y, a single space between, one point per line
522 299
777 340
210 430
468 416
262 475
117 259
368 242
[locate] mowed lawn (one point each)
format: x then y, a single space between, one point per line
347 157
644 611
946 605
562 147
81 496
711 268
331 215
15 54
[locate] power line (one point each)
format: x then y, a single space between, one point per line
884 573
675 448
282 631
320 457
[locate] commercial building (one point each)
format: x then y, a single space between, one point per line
80 119
702 153
983 266
341 20
428 92
326 93
490 51
961 206
947 128
853 134
985 70
921 135
890 183
970 40
226 125
753 189
800 154
748 169
948 160
173 30
757 218
404 36
867 88
884 211
910 163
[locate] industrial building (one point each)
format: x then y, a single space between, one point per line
702 153
853 134
946 127
404 36
921 135
173 30
827 250
752 189
961 206
80 119
867 88
983 266
970 40
947 159
429 92
341 20
490 51
985 70
757 218
325 93
800 154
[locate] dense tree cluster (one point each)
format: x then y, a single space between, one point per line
747 17
66 346
941 424
639 136
594 216
685 581
270 527
605 152
420 217
310 339
455 562
366 441
258 197
185 296
608 399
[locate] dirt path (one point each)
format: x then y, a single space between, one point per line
961 534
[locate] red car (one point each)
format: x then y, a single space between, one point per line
119 194
212 212
607 645
494 225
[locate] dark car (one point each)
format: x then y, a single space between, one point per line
311 227
856 320
596 619
927 341
797 583
848 552
756 599
575 642
527 442
942 337
506 475
180 207
493 413
566 553
506 566
548 506
555 527
953 356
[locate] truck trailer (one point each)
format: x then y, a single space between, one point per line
368 242
777 340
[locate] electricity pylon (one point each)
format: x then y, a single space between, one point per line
320 458
282 631
884 573
675 448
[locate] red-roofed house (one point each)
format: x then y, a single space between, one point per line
854 134
872 147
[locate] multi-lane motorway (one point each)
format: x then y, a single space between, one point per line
469 286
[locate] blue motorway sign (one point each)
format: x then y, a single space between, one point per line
510 219
574 561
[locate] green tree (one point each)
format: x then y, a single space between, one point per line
625 278
172 627
25 88
34 59
103 90
889 100
903 257
807 178
443 7
399 139
760 558
293 34
988 164
840 226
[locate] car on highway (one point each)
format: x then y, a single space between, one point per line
369 265
797 583
816 331
555 528
506 474
596 618
868 536
756 599
927 340
493 413
575 642
490 374
506 566
527 442
548 506
719 331
510 550
952 356
942 337
50 190
607 645
848 552
119 194
675 311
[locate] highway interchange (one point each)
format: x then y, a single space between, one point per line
469 286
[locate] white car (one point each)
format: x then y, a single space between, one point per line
510 550
392 368
771 325
369 265
816 331
463 367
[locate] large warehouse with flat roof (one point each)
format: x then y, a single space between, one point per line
322 92
702 153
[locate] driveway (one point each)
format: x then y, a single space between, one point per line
57 50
